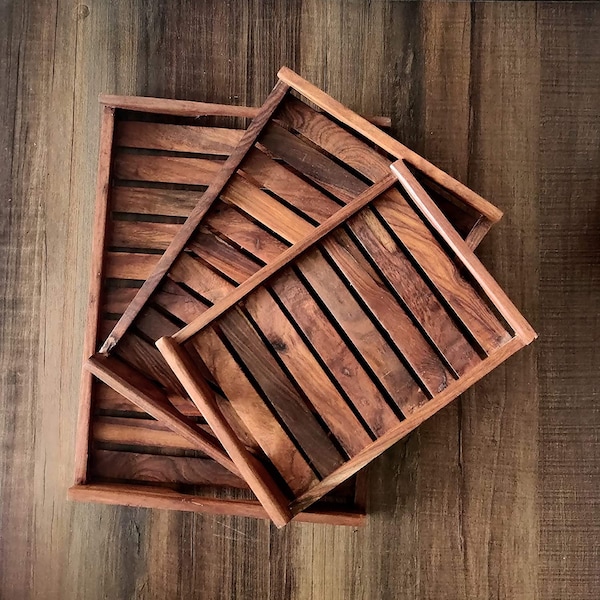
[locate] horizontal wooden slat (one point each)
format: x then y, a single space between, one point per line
178 302
125 265
177 138
153 324
165 169
140 234
107 399
136 466
153 201
116 299
137 432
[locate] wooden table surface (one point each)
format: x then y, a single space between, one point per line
498 496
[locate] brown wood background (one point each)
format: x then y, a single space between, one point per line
497 496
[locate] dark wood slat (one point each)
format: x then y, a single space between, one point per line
153 201
254 413
417 296
178 302
153 324
107 399
309 161
282 395
179 138
116 299
333 351
370 344
140 234
153 468
267 173
434 261
303 366
148 360
247 234
223 257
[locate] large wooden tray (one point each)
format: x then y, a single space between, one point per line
123 456
376 315
152 175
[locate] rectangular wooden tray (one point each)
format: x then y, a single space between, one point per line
376 315
123 456
150 178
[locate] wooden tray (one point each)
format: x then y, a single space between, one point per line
124 457
376 315
145 216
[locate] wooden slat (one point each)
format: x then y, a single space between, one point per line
413 291
116 299
282 395
178 138
107 399
126 265
175 300
160 498
214 189
303 366
317 233
223 257
98 271
144 357
370 344
269 174
132 385
333 351
165 169
235 226
200 278
153 324
265 209
254 473
442 272
382 304
153 201
433 215
311 162
140 234
387 143
254 413
136 466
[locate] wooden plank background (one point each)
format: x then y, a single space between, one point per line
495 497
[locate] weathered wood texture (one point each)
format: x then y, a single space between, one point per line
497 495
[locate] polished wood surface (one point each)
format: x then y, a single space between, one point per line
494 497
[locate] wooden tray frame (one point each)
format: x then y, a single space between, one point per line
119 494
86 488
270 493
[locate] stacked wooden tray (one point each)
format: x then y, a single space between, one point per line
315 306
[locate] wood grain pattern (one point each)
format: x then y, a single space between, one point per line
496 497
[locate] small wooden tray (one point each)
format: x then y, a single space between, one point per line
123 457
376 316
